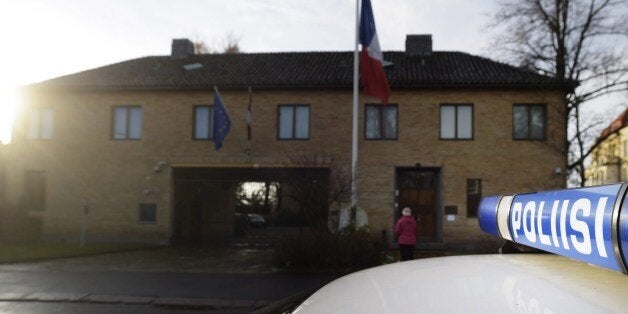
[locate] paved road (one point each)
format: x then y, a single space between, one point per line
181 285
181 290
94 308
159 281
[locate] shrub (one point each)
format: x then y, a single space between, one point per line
349 250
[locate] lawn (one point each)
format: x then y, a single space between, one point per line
22 252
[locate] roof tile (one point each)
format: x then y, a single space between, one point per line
300 70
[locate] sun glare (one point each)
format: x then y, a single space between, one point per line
8 102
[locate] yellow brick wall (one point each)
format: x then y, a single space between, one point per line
83 163
609 160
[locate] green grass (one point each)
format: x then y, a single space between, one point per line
23 252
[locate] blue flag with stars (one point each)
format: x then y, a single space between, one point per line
222 123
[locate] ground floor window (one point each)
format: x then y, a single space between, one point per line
148 213
474 195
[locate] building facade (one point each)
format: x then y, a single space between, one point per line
126 149
609 158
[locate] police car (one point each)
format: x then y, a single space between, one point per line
588 227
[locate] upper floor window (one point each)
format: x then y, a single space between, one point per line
529 122
294 122
40 123
203 122
381 122
456 122
127 122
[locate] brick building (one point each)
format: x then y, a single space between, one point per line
130 140
609 159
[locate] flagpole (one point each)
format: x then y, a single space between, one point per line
354 146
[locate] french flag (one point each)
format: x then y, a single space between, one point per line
373 77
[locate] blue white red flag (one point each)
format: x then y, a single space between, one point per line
373 77
221 123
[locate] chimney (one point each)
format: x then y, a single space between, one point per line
182 48
419 45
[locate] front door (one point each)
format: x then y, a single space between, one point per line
418 188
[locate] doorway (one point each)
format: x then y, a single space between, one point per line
211 203
420 189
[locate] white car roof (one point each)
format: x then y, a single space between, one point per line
518 283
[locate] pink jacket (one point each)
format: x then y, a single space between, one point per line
406 229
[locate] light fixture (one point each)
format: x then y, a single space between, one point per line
159 166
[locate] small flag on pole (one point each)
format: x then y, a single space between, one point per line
373 77
249 116
222 123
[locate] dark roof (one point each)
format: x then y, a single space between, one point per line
300 70
619 123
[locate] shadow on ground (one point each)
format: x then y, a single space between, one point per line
197 259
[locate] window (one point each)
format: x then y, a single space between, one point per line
529 122
381 122
40 123
127 122
148 213
474 195
294 122
456 122
35 190
203 122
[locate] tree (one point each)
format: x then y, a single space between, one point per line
576 41
230 44
322 184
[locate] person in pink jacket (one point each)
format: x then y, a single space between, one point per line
406 230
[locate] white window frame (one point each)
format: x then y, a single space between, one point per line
381 122
205 134
457 123
125 130
297 131
40 124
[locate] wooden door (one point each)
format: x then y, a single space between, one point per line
418 189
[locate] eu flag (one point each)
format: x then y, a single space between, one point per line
222 123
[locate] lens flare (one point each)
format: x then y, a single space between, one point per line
8 101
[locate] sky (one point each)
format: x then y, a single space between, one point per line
46 39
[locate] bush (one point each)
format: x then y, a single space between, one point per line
349 250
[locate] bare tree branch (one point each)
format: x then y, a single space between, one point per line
568 39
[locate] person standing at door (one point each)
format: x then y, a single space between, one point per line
406 231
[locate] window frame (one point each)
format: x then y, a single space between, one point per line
294 122
141 206
40 123
128 122
380 110
474 213
528 107
456 136
210 123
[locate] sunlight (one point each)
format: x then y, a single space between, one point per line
7 110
